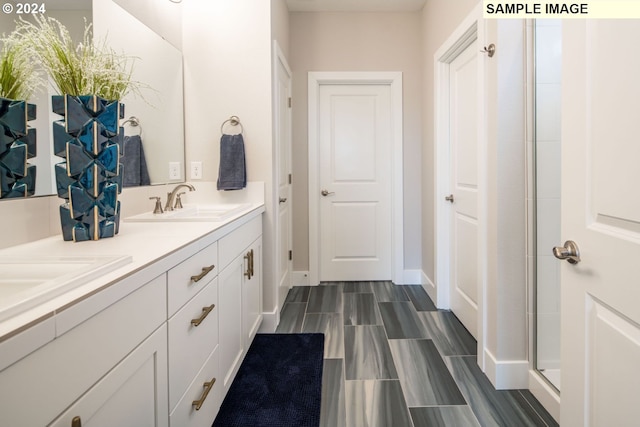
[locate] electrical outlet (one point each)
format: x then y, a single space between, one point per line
174 170
196 170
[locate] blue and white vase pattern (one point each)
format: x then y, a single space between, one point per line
17 146
89 179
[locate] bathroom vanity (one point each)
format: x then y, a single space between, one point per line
155 340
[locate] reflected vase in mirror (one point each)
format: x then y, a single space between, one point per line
17 146
89 179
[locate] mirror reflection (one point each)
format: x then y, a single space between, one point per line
153 123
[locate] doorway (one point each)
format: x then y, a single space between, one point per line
463 187
282 135
355 176
460 145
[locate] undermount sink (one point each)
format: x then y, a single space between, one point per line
25 283
193 213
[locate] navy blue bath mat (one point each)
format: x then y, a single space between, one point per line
279 383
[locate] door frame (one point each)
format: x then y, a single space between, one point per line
470 30
394 81
279 57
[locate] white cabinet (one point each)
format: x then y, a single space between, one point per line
240 295
58 374
194 389
193 335
161 355
133 394
204 360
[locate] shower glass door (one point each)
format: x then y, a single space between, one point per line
548 71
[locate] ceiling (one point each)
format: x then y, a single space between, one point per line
355 5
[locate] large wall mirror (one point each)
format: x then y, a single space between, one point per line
159 112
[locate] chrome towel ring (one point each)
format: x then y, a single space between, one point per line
134 122
233 121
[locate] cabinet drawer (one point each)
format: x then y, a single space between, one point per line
190 345
57 374
185 414
237 241
190 276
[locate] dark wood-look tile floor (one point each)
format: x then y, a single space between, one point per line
392 359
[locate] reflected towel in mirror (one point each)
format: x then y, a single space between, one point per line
134 164
232 174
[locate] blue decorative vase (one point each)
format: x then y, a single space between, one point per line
89 179
17 145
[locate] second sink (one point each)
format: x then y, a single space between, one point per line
194 213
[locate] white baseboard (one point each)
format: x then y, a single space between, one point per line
300 278
506 374
429 287
546 395
269 322
411 277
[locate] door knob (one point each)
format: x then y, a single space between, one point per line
282 199
449 198
325 193
569 251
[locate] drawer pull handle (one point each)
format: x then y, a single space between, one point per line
251 262
76 422
249 258
205 271
205 313
248 272
207 388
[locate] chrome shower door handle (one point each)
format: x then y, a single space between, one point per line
569 252
325 193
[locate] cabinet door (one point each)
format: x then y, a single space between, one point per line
133 394
252 292
230 334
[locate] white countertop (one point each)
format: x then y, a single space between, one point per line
153 248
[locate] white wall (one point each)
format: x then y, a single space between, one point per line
506 293
163 17
280 27
227 69
325 41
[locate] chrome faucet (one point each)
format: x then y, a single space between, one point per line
172 195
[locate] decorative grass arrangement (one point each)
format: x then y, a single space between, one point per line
85 68
19 77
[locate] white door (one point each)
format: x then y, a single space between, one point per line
283 155
601 213
463 71
355 150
